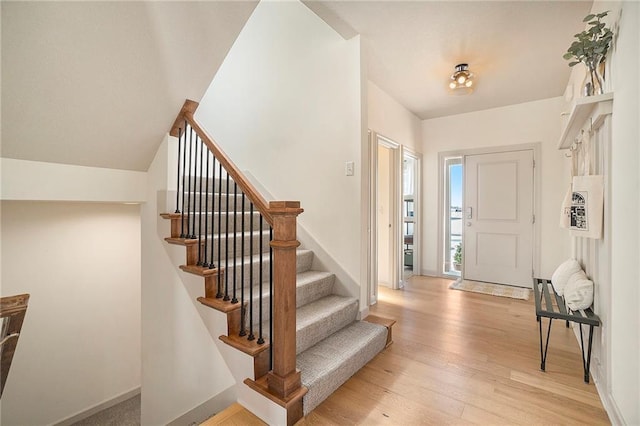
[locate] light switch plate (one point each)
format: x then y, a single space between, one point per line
348 168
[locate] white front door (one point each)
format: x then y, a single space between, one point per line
498 218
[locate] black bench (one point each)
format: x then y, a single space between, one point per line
554 308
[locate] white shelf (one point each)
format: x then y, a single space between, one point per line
589 107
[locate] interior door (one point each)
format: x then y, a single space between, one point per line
498 217
388 210
385 213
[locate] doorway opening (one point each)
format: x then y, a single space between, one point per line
394 213
387 210
410 214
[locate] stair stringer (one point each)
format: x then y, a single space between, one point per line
240 365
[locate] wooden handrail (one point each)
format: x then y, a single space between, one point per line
186 113
12 312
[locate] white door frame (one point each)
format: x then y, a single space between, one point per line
536 147
395 252
417 212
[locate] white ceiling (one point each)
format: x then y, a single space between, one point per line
514 48
99 83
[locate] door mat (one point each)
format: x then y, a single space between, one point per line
491 289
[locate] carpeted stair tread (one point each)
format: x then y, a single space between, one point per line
313 285
304 259
319 319
220 219
226 243
331 362
314 321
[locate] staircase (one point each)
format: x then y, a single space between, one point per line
245 250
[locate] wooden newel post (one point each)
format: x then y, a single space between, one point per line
284 379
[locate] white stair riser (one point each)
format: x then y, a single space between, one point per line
314 333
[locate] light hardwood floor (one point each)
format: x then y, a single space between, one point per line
461 358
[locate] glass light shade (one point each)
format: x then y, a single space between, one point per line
461 80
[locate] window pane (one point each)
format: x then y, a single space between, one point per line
453 215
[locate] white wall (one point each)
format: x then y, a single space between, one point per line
625 210
618 379
35 180
80 342
181 365
525 123
388 118
286 106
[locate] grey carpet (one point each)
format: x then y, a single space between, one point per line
310 286
328 364
330 343
126 413
313 285
319 319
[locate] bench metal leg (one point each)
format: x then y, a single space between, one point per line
543 354
586 362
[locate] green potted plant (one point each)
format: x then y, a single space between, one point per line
590 48
457 258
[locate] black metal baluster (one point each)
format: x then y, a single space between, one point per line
178 208
194 174
200 216
226 247
251 336
260 338
212 264
235 233
270 298
219 295
205 263
184 188
189 187
243 331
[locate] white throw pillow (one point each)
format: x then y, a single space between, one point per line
561 276
578 293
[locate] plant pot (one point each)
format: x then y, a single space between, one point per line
457 267
593 83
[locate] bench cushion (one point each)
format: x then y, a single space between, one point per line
562 274
578 294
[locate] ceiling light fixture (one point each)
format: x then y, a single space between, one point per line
462 80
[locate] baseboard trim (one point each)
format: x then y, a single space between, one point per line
608 402
98 407
430 273
363 313
208 408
